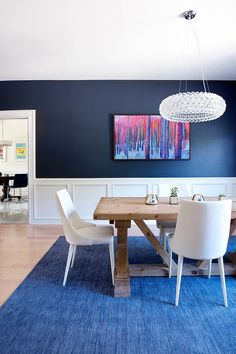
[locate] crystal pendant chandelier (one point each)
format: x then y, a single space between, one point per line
193 107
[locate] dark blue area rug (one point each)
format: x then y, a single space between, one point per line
83 317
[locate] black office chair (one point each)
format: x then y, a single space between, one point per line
20 181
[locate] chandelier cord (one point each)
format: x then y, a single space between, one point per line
185 66
200 56
186 60
180 84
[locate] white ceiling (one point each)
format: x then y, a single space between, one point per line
115 39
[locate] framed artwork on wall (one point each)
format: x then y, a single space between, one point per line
150 137
3 153
20 151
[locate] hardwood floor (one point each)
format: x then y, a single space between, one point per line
21 247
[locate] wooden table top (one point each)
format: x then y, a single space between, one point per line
134 208
7 178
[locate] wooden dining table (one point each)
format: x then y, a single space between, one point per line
123 210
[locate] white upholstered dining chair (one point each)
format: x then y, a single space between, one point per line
202 232
81 233
167 227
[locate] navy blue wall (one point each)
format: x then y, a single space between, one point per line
74 127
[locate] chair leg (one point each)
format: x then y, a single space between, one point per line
73 257
179 274
222 278
69 257
209 268
170 262
112 260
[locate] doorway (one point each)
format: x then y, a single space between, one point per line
18 158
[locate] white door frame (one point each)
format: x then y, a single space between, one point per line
30 116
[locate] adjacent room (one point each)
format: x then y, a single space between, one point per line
118 177
14 171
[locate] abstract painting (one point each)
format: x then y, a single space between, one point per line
150 137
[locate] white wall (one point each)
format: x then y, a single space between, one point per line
16 131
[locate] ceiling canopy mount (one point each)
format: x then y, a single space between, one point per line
189 15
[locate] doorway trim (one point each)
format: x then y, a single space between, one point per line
30 116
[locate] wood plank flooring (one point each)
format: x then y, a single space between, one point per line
21 247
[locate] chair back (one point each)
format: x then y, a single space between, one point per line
71 221
184 190
202 229
20 180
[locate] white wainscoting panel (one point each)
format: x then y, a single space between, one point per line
45 207
233 191
130 190
184 190
86 197
86 192
209 189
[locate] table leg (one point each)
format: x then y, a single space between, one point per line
122 276
5 186
155 243
4 191
232 227
202 263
